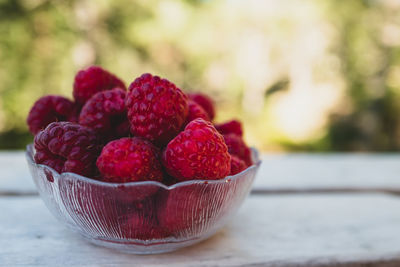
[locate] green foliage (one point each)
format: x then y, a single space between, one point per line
373 124
213 46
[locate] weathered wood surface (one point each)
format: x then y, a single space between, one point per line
278 173
289 230
14 174
329 171
270 230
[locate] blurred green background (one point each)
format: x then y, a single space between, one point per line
302 75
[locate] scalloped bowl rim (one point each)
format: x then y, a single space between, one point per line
255 154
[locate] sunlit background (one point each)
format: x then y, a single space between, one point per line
302 75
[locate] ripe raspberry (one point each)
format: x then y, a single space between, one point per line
205 102
196 111
138 216
126 195
49 109
92 80
233 126
129 160
109 208
186 210
237 165
143 228
237 147
156 108
105 113
199 152
67 147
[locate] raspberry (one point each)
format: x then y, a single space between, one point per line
141 227
109 207
156 108
49 109
92 80
127 195
233 126
139 219
205 102
129 160
105 113
199 152
67 147
189 209
237 165
237 147
196 111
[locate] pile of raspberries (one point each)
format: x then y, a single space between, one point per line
150 131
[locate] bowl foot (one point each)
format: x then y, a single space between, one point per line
143 249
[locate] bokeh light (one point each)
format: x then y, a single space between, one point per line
302 75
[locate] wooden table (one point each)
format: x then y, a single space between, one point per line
304 210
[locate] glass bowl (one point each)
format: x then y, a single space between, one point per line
141 217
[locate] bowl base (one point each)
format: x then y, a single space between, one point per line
141 249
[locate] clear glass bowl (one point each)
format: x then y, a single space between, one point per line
141 217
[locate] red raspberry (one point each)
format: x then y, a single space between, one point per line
127 195
237 147
157 108
205 102
49 109
143 228
92 80
190 209
199 152
129 160
237 165
196 111
110 207
233 126
67 147
105 113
